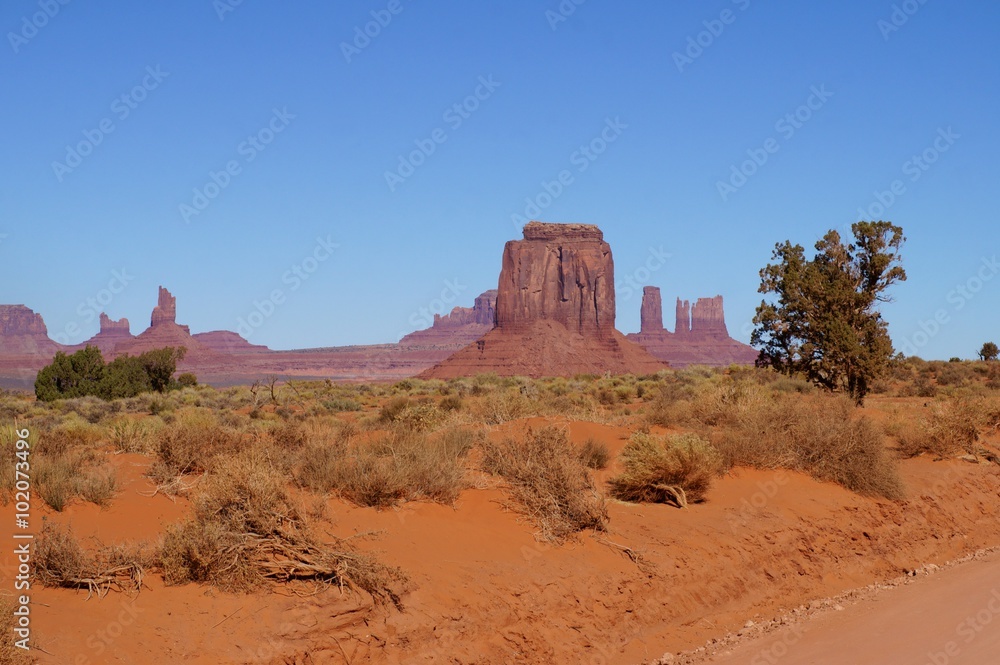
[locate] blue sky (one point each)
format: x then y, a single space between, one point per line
276 125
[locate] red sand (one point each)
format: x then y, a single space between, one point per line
483 590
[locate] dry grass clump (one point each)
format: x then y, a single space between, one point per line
60 561
676 469
547 477
192 443
246 532
502 405
129 435
65 464
952 429
385 470
595 454
822 437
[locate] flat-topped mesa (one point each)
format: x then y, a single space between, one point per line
555 312
566 232
23 332
558 272
707 317
651 314
682 325
20 320
112 327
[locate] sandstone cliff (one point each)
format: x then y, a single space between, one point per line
555 311
23 332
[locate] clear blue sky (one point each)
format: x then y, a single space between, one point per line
887 92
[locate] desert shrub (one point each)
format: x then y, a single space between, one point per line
952 429
57 479
677 469
193 442
392 410
955 374
129 435
289 435
85 373
187 380
822 437
246 532
341 404
60 561
594 454
548 479
397 466
451 403
503 405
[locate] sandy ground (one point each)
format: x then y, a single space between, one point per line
950 618
483 590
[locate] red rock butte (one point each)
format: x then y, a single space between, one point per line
700 335
555 311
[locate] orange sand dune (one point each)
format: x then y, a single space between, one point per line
483 590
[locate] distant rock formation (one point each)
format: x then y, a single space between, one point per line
165 311
462 326
700 335
555 311
23 332
165 331
225 341
651 314
112 334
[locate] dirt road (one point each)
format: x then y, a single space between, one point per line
951 618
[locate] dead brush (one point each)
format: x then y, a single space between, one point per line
60 561
66 464
548 479
676 469
823 436
396 466
192 443
952 429
246 532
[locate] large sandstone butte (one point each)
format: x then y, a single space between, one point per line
23 332
460 327
165 331
700 335
555 311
